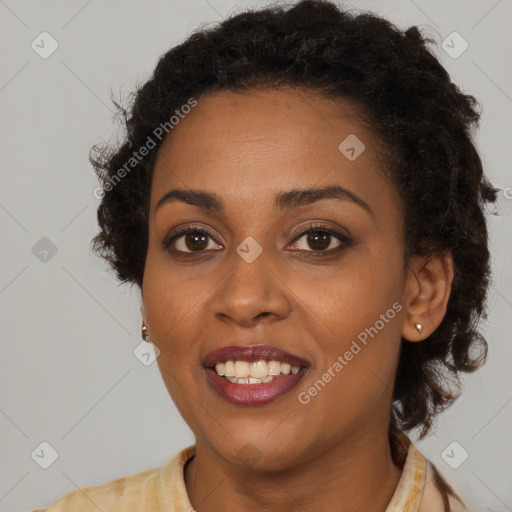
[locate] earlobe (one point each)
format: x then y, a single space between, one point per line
427 293
143 326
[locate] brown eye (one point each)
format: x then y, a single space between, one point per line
195 241
317 241
189 240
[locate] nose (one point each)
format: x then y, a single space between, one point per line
250 293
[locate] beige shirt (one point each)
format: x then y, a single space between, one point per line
163 489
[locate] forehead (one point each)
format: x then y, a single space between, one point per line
246 144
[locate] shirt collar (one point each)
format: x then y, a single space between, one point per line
172 492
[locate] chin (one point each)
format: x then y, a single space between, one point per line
262 455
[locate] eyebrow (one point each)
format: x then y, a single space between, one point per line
283 200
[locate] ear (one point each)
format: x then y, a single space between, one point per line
144 320
428 287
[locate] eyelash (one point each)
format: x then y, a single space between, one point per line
185 230
313 228
322 228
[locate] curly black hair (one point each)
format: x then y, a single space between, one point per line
422 119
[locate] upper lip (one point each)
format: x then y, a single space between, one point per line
251 354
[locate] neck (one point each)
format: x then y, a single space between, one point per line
358 473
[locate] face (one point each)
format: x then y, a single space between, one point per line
249 274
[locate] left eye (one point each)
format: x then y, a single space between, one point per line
192 241
318 241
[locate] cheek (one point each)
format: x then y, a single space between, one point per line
356 356
168 298
355 314
173 307
352 295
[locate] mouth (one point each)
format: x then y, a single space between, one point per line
253 375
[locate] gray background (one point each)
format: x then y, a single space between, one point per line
68 373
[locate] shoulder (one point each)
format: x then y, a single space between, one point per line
155 489
437 493
115 495
421 487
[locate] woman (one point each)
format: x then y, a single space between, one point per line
300 202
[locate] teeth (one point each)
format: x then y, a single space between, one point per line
274 368
229 369
242 369
259 369
243 372
250 380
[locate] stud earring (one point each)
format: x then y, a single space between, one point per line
144 333
419 328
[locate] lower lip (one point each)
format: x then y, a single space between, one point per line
253 394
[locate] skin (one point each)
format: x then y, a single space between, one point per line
333 452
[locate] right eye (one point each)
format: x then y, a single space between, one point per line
188 240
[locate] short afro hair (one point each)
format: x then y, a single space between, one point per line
423 120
